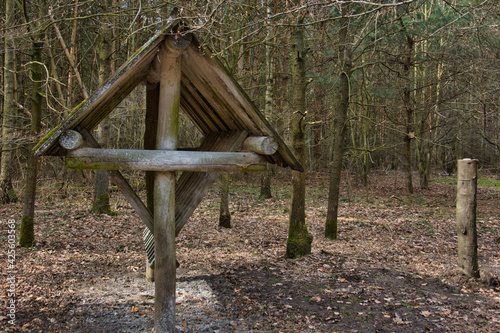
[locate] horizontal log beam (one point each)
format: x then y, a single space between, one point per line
157 160
264 145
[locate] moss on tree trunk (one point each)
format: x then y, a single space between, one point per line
27 235
298 243
101 205
8 193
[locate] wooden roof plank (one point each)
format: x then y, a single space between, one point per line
200 72
199 110
215 75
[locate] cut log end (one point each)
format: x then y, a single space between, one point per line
263 145
71 140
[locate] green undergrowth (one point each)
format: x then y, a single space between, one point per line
488 181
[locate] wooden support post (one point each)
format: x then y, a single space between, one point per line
164 193
466 217
151 124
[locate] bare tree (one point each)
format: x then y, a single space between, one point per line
339 123
100 203
7 193
299 240
27 235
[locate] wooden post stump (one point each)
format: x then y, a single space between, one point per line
466 216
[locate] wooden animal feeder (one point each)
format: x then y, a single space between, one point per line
179 74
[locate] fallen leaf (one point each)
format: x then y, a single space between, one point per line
316 299
426 313
399 321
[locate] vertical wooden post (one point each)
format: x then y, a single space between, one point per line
466 216
164 192
151 124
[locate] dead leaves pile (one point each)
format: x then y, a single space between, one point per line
392 268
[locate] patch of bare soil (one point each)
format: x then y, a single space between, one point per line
393 268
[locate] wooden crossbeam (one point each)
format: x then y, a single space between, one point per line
164 160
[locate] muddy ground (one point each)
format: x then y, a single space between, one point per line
393 268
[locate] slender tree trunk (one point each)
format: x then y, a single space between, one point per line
339 127
299 240
27 235
7 193
225 214
265 185
101 190
366 131
408 110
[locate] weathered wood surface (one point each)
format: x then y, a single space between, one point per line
164 184
151 124
71 140
466 217
158 160
193 186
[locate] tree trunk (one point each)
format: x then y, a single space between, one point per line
225 214
299 240
408 109
7 193
27 234
101 190
339 127
466 217
265 184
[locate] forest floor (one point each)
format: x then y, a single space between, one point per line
393 268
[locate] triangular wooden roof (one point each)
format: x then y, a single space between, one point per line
210 97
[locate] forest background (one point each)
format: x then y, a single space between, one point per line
422 77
